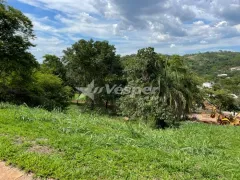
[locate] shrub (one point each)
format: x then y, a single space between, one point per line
50 92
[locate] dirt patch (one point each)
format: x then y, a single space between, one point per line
35 146
41 149
21 140
205 118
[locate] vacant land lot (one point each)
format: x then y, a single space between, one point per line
77 145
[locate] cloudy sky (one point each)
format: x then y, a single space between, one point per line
170 26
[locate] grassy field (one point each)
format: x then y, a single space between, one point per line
77 145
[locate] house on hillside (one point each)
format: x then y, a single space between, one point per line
234 96
222 75
235 68
208 84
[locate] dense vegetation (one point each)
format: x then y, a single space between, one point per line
177 88
211 64
78 145
22 79
88 61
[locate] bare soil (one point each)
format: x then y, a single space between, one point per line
11 173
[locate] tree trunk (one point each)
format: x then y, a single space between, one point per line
92 104
106 104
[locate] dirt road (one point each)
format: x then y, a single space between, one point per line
205 118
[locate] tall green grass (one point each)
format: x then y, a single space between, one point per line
77 145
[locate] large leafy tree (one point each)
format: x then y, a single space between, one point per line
143 70
92 60
181 84
176 87
15 40
16 62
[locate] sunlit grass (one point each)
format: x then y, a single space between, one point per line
77 145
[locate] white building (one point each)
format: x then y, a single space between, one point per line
234 96
208 84
222 75
235 68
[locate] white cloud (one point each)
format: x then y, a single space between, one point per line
135 24
198 23
84 24
48 45
222 24
126 37
66 6
237 27
162 37
203 42
30 2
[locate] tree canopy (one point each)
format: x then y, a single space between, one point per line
15 40
88 61
175 87
21 78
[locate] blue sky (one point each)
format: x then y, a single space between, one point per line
170 26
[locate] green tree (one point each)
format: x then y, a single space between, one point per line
15 41
49 91
222 99
17 63
92 60
182 86
53 64
174 97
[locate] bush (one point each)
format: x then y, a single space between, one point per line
49 91
44 89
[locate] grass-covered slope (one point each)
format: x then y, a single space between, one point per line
75 145
213 63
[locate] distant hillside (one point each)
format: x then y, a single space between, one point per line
210 65
213 63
